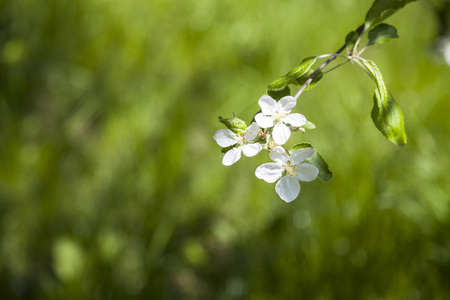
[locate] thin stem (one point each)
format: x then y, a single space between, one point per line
334 54
337 66
359 30
310 79
350 57
355 47
362 50
364 68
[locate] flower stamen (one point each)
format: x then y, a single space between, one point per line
291 170
279 116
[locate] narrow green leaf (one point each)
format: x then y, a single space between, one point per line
234 124
292 75
382 9
317 161
301 80
277 95
376 75
381 34
388 118
386 114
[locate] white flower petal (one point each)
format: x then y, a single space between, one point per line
225 137
300 155
251 132
231 156
268 105
251 149
296 120
288 188
287 103
279 155
263 121
279 107
281 133
307 172
269 172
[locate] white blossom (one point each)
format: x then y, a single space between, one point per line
227 138
290 169
277 114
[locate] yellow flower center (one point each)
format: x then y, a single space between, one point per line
290 170
279 116
240 140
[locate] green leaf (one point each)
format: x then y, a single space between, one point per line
309 125
234 124
317 161
386 114
388 118
381 34
226 149
382 9
351 39
277 95
376 75
301 80
292 75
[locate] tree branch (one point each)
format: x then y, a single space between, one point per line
359 30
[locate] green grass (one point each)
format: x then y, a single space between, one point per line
112 187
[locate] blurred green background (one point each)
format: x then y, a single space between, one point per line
112 187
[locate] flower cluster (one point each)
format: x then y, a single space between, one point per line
271 129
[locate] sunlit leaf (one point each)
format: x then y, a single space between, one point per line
388 118
386 114
309 125
234 124
293 74
382 9
378 77
381 34
317 161
301 80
